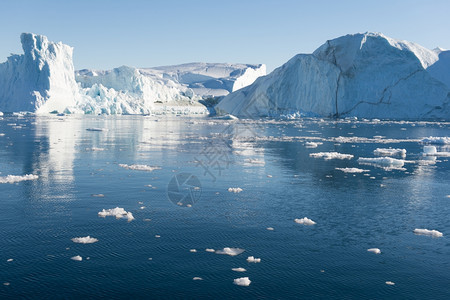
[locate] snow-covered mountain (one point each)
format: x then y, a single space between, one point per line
43 80
364 75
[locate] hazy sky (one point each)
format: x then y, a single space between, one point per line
107 34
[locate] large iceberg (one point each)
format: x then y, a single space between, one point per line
364 75
43 80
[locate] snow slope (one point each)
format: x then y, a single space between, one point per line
41 80
364 75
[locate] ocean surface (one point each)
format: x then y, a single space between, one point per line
87 163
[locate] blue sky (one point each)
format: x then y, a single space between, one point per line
107 34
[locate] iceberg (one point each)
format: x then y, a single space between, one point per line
331 155
304 221
433 233
14 178
252 259
85 240
390 152
374 250
386 163
117 212
243 281
140 167
230 251
366 75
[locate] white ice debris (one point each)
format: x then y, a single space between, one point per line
85 240
252 259
270 228
140 167
239 269
77 258
436 140
243 281
14 179
9 259
312 144
331 155
387 163
197 278
235 190
193 250
95 149
432 151
390 152
117 212
433 233
374 250
390 283
230 251
305 221
352 170
210 250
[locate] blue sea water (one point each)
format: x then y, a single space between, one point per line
280 182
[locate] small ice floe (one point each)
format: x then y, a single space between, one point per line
95 149
432 151
77 258
85 240
386 163
352 170
390 283
117 212
436 140
239 269
235 190
433 233
157 236
390 152
270 228
331 155
312 144
230 251
197 278
98 195
193 250
14 179
9 259
269 176
305 221
142 207
210 250
243 281
252 259
96 129
140 167
374 250
147 220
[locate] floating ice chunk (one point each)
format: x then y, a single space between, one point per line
230 251
387 163
239 269
433 233
374 250
243 281
331 155
270 228
235 190
77 258
193 250
1 114
157 236
14 179
6 283
9 259
98 195
432 151
390 152
140 167
96 129
352 170
85 240
197 278
305 221
210 250
312 144
117 212
436 140
252 259
390 283
95 149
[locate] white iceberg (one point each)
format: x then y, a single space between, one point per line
390 283
230 251
85 240
117 212
197 278
331 155
140 167
210 250
243 281
305 221
238 269
312 144
352 170
390 152
436 140
235 190
14 179
374 250
433 233
432 151
77 258
386 163
252 259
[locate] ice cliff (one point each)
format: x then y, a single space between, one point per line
43 80
363 75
